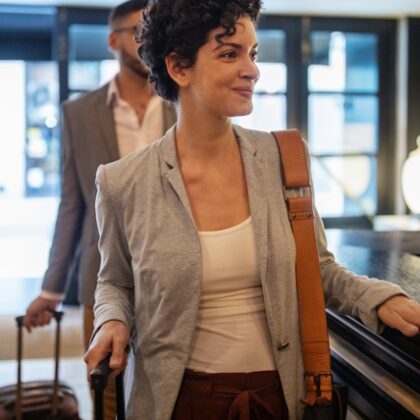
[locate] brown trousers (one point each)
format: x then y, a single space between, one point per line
231 396
110 393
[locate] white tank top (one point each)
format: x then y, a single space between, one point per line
231 333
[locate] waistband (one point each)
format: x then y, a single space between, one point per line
245 389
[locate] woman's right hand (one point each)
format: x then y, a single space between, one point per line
113 337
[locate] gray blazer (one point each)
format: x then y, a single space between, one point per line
88 140
150 275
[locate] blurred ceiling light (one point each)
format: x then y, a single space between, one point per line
51 121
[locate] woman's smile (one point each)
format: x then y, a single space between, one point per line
246 92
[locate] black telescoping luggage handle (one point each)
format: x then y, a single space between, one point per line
98 382
57 315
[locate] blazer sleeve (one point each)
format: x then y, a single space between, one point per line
349 293
114 295
345 291
68 226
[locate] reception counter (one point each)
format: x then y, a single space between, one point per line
382 371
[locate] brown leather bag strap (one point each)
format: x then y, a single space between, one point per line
313 322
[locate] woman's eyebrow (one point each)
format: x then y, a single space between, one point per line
232 44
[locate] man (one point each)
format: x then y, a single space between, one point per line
98 128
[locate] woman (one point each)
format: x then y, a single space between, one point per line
197 252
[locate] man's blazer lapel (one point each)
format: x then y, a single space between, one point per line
105 125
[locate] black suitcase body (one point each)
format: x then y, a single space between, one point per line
38 400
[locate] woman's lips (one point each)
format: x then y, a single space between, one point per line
246 92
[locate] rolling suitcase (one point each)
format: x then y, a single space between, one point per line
98 382
38 400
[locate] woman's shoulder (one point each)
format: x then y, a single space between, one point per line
136 168
262 140
145 160
133 162
252 133
257 140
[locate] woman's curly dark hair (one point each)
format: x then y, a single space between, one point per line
182 27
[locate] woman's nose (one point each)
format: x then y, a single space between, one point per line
251 70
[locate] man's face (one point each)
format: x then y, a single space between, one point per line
122 42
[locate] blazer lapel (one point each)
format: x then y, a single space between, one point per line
256 182
257 194
173 173
105 124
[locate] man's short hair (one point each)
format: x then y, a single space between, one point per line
124 9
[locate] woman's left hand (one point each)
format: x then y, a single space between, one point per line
401 313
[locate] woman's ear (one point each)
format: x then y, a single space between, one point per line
176 70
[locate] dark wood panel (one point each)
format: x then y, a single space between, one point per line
400 241
378 254
400 268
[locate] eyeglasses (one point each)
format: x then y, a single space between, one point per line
130 29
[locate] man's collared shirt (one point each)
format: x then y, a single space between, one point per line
131 134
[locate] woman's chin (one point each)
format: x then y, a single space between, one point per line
240 112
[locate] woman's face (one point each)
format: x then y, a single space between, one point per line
223 77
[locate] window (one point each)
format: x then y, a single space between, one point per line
90 62
331 78
29 144
334 79
270 92
87 62
42 147
413 129
343 121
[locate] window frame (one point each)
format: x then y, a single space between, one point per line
67 16
26 32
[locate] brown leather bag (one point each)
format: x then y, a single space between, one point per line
38 400
322 400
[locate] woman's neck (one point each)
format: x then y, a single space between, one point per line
204 142
203 137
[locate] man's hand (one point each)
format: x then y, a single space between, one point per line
113 337
401 313
38 312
